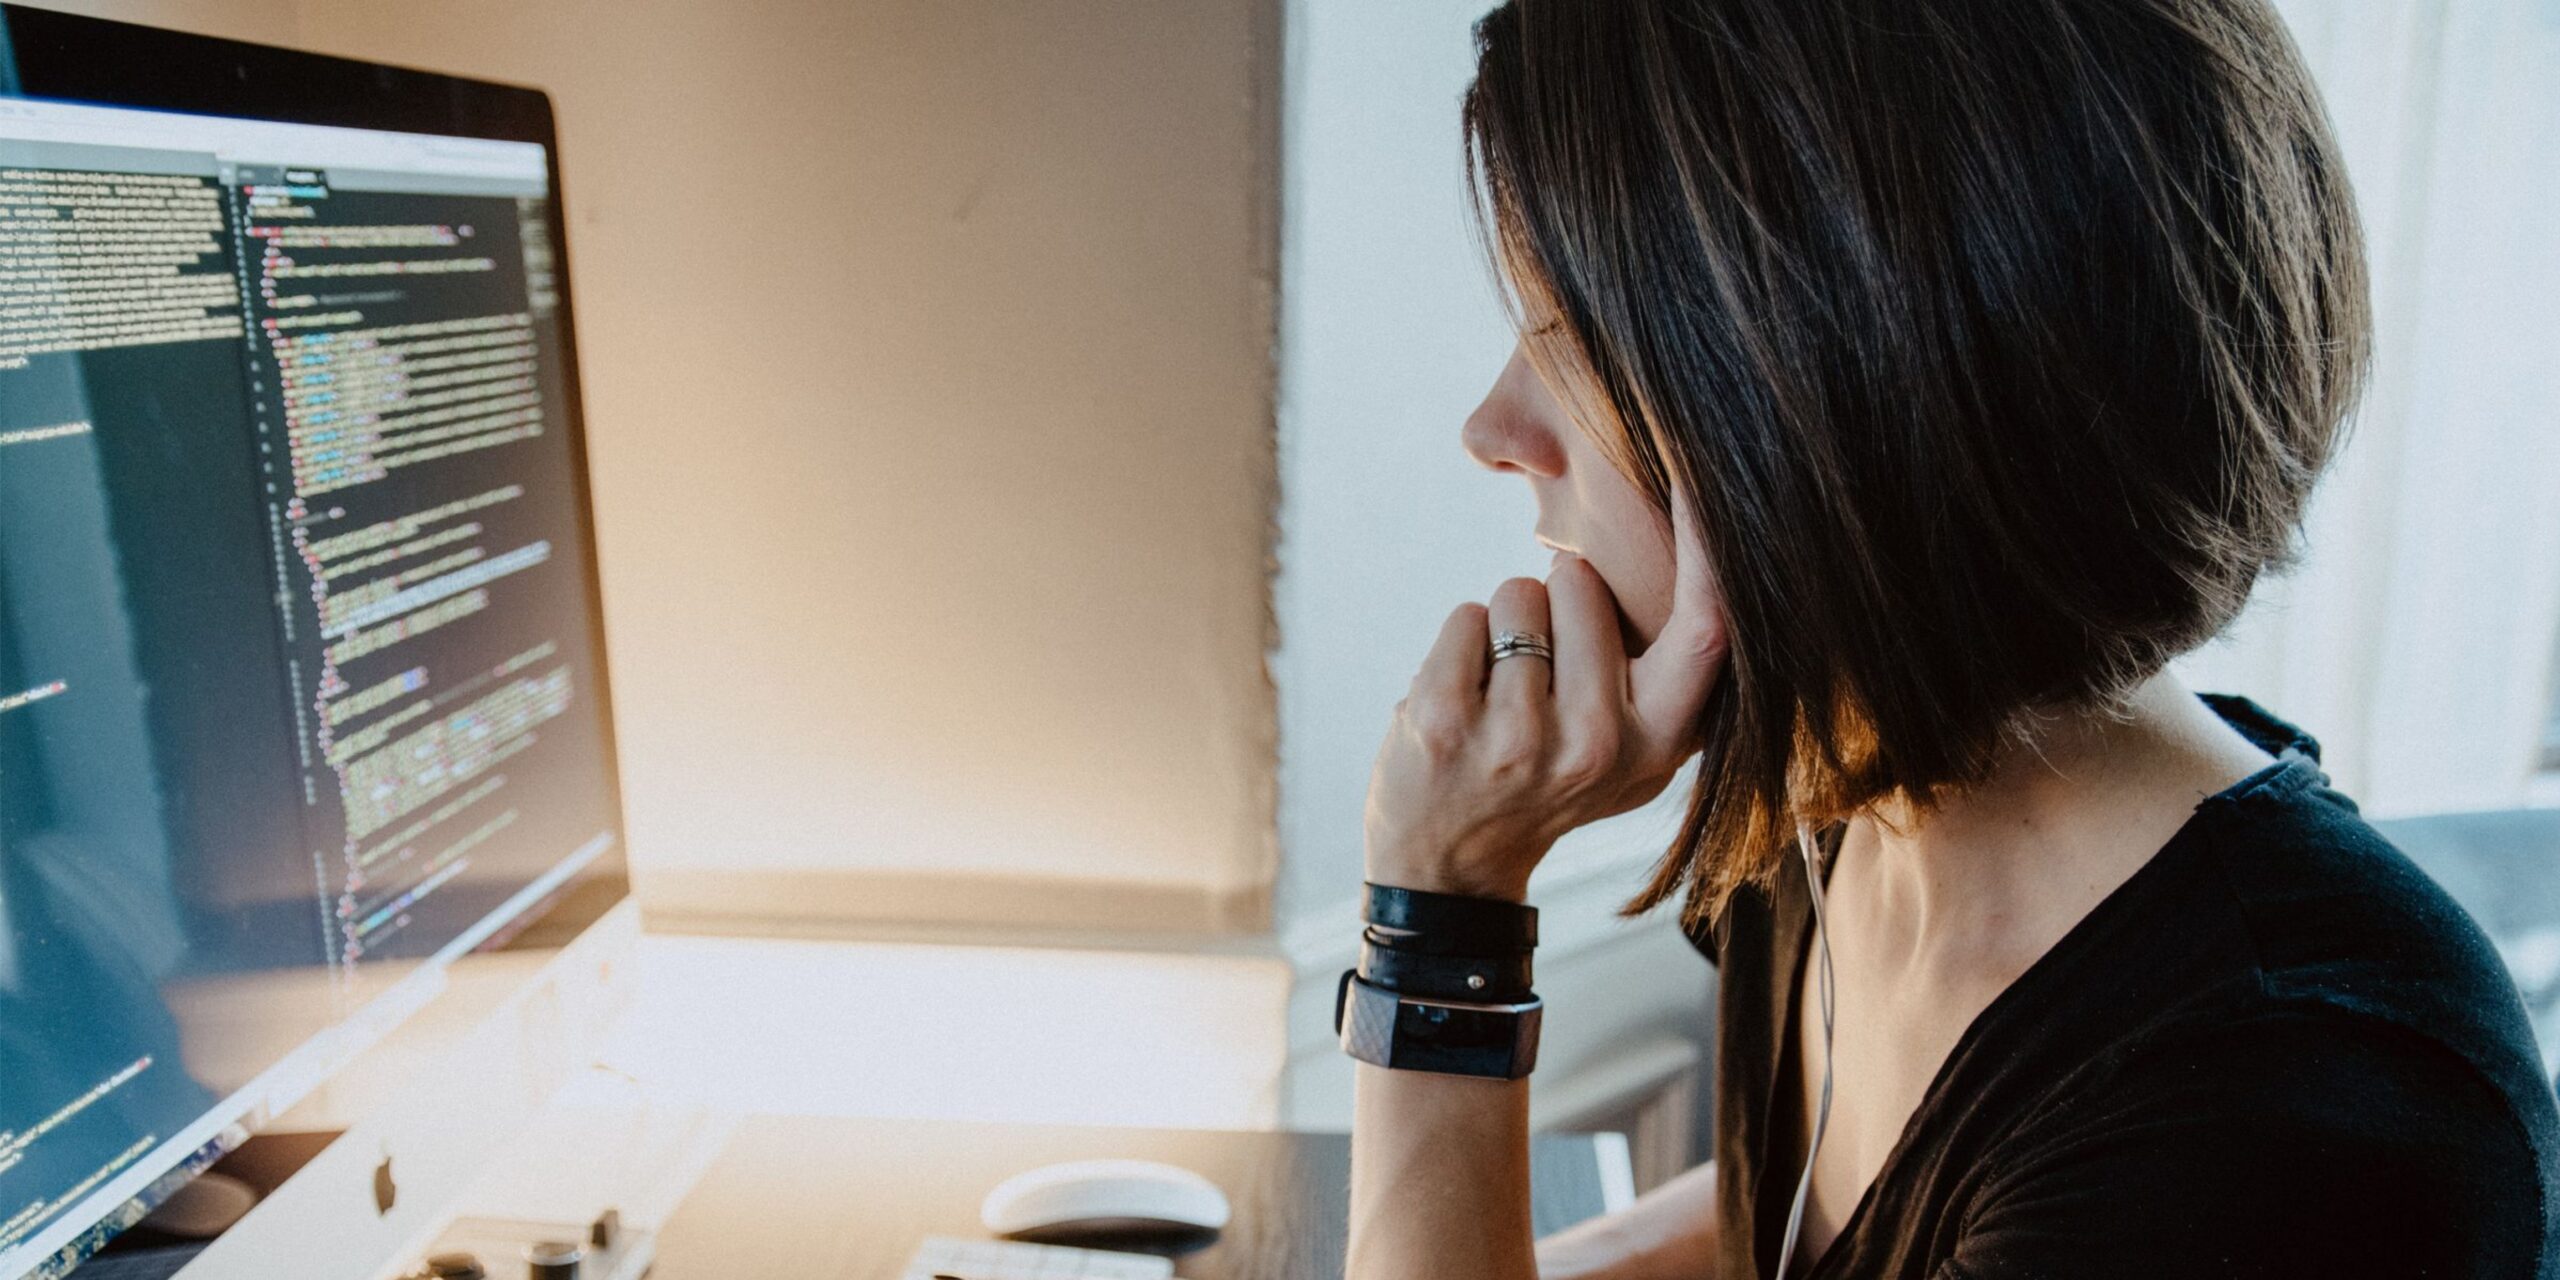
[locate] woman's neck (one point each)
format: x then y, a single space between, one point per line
1995 875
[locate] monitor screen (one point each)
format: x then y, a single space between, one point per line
301 681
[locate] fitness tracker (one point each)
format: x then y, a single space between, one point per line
1412 1033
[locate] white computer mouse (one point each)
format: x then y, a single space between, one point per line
1093 1199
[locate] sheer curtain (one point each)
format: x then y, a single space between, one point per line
2416 637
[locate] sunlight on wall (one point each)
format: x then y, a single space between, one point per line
960 1033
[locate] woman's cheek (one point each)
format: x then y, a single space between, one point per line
1640 578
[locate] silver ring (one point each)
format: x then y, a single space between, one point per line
1512 644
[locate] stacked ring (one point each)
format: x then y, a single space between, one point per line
1512 644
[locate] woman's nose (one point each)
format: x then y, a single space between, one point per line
1509 431
1480 437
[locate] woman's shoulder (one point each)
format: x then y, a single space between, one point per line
2281 1137
2277 897
2329 1047
2333 918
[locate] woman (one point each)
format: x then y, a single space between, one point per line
1903 384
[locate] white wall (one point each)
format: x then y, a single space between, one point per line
927 355
1390 332
2416 638
1391 329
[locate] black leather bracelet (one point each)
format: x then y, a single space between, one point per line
1433 944
1497 979
1451 924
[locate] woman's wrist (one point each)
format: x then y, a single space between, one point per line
1444 985
1439 873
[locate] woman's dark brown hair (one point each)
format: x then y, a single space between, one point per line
1996 343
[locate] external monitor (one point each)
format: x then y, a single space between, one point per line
302 682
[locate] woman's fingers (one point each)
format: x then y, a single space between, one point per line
1453 674
1490 761
1591 661
1670 681
1520 683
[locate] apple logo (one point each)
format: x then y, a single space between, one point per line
385 1192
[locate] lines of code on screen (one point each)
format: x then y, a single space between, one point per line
401 389
297 657
96 260
117 303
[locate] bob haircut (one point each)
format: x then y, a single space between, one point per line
1996 344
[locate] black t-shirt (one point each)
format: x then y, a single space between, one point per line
2277 1050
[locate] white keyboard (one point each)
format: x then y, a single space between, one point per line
944 1258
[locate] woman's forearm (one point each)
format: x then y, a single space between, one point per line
1492 755
1439 1178
1668 1234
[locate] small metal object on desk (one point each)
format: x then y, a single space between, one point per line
600 1248
456 1266
553 1260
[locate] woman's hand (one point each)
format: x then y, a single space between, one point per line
1487 763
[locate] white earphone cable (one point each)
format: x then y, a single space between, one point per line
1822 1108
